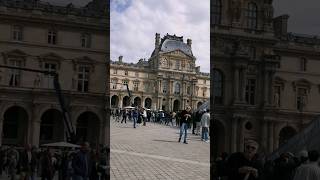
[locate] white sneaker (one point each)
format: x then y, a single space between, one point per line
207 141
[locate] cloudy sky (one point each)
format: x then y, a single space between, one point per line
135 22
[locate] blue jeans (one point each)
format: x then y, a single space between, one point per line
184 127
75 177
134 121
205 133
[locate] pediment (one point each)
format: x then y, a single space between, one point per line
178 53
15 52
52 56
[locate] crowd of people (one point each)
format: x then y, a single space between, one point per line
249 165
198 121
30 163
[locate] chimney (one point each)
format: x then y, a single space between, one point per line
189 42
120 58
157 41
280 25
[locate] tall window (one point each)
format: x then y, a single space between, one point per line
216 12
85 40
136 85
188 90
204 92
217 87
114 83
303 64
251 91
52 67
252 17
165 87
177 88
83 78
252 52
177 64
17 33
52 37
126 73
125 83
301 98
15 74
114 71
137 74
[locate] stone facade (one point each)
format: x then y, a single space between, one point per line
266 82
70 41
168 80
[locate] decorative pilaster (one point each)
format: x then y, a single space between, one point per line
234 125
243 83
236 84
1 129
271 135
264 136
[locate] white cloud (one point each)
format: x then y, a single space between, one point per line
133 27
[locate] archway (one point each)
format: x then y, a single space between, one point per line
51 127
137 101
126 101
88 127
176 105
114 101
147 103
15 126
218 133
199 104
285 134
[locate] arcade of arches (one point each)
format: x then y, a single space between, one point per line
230 135
17 128
120 101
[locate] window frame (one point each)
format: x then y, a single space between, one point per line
84 81
252 16
216 12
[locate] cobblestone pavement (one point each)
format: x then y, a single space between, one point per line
153 152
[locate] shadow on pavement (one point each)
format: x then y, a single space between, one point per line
159 140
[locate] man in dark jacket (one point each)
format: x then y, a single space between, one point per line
245 166
81 163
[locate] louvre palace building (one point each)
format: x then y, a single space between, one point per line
266 80
71 41
169 80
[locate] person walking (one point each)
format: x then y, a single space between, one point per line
124 116
81 163
205 121
135 117
144 116
245 166
47 167
311 170
185 117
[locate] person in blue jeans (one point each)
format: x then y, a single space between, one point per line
135 115
185 118
205 121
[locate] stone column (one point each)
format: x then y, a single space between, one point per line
170 104
234 125
241 135
266 87
271 136
120 101
160 103
276 136
1 129
236 84
264 136
36 124
243 84
143 101
270 97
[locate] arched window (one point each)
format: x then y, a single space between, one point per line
216 12
177 88
252 12
217 86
